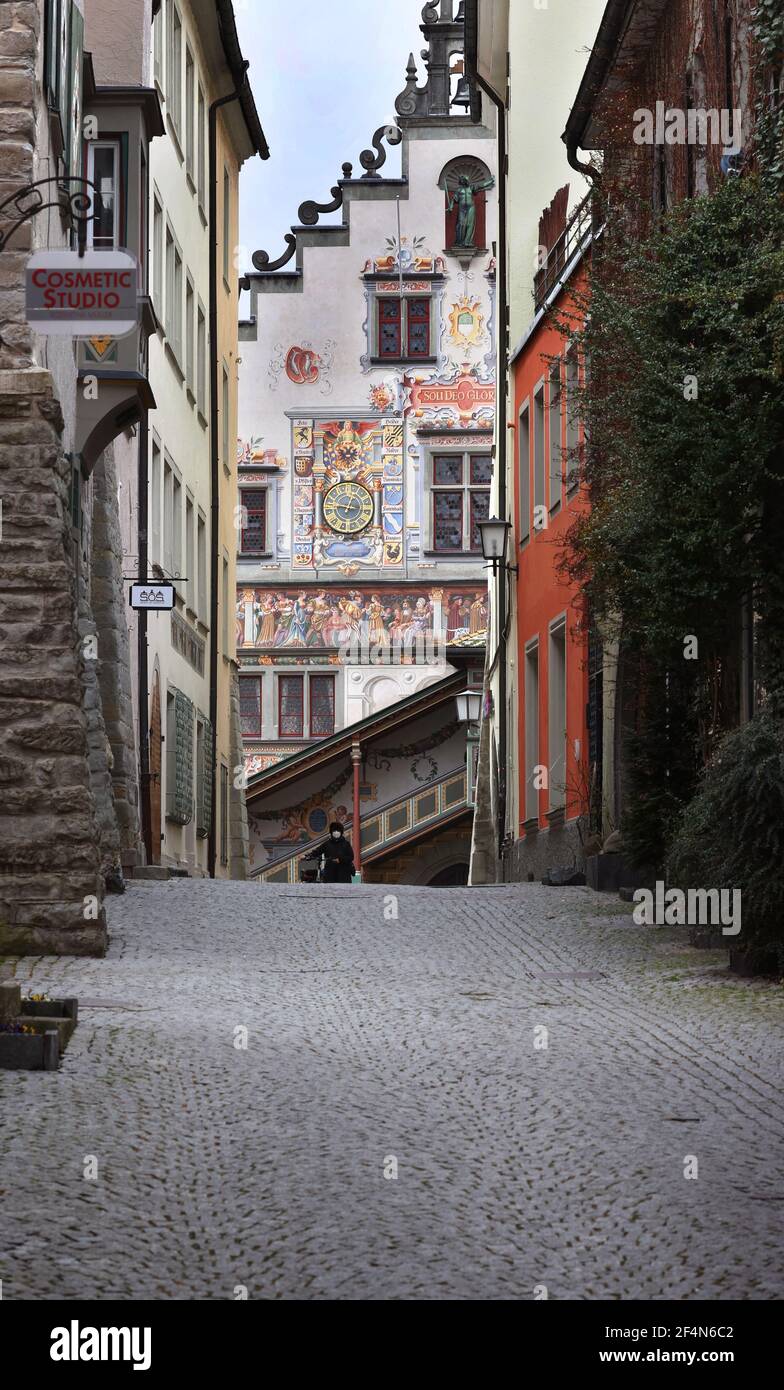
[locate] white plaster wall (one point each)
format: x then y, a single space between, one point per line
549 49
176 423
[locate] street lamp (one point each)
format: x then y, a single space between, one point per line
469 706
495 540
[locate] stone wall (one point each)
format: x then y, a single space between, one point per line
51 885
551 847
109 603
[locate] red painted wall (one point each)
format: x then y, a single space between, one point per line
542 594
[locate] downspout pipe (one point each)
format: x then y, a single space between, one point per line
141 640
215 106
472 24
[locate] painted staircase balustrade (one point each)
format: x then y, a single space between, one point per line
451 799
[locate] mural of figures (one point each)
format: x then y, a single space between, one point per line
329 618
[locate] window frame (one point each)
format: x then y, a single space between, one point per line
261 493
403 322
113 143
555 453
329 678
282 677
245 680
190 115
467 489
524 470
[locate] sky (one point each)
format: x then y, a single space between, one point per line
325 74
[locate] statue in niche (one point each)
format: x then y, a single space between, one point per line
463 199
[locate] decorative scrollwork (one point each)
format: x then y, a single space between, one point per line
76 198
410 99
371 162
430 12
263 263
310 212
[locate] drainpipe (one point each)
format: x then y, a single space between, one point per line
141 638
214 461
501 446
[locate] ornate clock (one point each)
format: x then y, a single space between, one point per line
348 508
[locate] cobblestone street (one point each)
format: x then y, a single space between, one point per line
518 1166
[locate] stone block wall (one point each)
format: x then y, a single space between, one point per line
51 885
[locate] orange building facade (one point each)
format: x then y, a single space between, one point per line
558 701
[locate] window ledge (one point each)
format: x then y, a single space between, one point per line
404 361
175 135
202 419
454 554
190 395
175 361
189 181
202 213
254 555
226 285
531 825
555 818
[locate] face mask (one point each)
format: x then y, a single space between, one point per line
336 834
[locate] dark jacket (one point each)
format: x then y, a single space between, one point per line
339 855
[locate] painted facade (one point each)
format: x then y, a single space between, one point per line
367 402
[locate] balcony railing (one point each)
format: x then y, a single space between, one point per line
576 231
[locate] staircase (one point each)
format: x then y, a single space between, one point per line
402 824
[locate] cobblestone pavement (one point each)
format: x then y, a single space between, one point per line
414 1039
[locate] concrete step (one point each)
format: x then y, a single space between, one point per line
150 873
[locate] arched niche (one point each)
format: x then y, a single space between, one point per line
480 179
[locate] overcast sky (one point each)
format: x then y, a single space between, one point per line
325 74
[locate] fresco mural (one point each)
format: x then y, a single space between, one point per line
302 619
303 365
412 257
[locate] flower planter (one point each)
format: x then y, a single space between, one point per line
30 1051
49 1024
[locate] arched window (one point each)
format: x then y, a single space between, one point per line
465 235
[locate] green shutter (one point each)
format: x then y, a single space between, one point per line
204 775
182 808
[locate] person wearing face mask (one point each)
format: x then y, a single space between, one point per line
337 856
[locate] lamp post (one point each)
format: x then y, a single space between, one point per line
469 712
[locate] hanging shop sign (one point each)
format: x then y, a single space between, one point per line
82 296
153 596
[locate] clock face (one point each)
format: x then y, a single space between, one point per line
348 508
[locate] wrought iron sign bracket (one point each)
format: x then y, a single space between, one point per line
73 200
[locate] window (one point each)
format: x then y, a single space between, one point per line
144 202
190 346
226 222
556 683
201 562
531 729
225 608
155 503
201 362
190 554
224 814
403 329
174 64
253 536
524 470
461 499
539 458
103 170
177 306
572 419
201 177
157 47
189 113
157 256
556 448
225 418
322 706
250 706
169 282
291 720
177 526
168 519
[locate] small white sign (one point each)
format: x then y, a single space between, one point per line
152 596
85 296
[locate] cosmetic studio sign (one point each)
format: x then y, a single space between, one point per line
82 296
